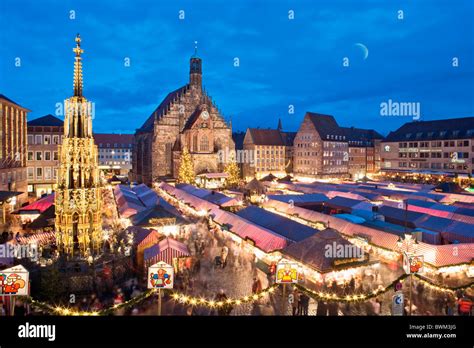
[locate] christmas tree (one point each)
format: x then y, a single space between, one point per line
233 170
186 168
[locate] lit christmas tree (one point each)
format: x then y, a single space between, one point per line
186 168
233 170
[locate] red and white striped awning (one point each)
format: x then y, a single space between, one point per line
166 250
41 238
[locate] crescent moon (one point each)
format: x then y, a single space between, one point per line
364 48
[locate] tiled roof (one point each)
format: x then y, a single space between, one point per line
161 109
106 138
266 137
366 137
326 125
9 100
48 120
454 128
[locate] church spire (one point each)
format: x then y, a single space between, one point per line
78 67
195 71
280 127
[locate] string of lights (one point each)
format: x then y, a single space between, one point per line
210 303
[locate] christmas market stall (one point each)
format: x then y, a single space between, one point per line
327 254
31 212
142 238
169 251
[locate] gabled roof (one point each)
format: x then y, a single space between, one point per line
271 137
161 109
361 137
48 121
194 116
312 250
453 128
11 101
326 125
287 228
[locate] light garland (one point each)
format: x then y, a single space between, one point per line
201 301
186 299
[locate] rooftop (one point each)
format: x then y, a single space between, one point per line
453 128
48 120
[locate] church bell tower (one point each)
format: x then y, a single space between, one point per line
195 69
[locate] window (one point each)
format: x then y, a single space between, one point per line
39 173
47 139
55 156
38 139
55 139
31 139
47 156
31 173
39 156
47 173
55 173
204 145
30 155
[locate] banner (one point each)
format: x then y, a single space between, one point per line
160 276
14 281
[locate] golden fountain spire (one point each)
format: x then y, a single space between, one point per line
78 67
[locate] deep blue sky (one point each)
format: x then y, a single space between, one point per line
282 61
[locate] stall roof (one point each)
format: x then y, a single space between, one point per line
166 250
263 238
302 199
281 225
208 195
4 195
351 218
158 212
311 251
38 206
348 203
399 214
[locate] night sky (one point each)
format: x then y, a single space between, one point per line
283 61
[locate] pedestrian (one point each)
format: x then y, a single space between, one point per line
136 291
224 254
256 286
96 305
322 309
2 309
464 306
84 305
294 304
223 309
197 266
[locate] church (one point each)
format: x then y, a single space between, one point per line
189 118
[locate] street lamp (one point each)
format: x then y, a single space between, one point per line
408 246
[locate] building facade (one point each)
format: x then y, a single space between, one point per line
320 148
44 136
430 147
13 145
115 153
364 151
78 198
267 151
187 117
